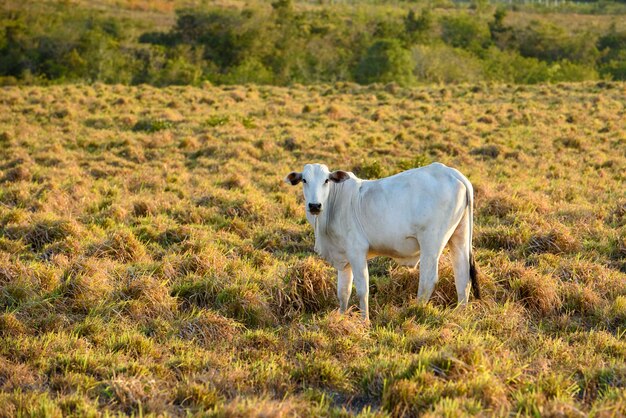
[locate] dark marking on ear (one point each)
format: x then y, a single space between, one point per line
293 178
339 176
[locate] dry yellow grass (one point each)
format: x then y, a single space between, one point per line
153 262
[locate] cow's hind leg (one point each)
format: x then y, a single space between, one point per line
344 287
429 268
431 243
460 252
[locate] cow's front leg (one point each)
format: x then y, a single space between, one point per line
362 284
344 286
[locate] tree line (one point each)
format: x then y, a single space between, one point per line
282 45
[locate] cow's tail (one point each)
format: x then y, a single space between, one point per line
472 265
470 213
474 276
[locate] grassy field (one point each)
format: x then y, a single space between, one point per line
153 262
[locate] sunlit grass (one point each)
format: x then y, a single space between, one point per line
152 261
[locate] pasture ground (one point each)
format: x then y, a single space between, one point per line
153 262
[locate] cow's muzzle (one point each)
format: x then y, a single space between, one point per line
315 208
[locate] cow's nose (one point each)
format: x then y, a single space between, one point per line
315 207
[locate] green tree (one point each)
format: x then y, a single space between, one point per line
550 42
418 28
464 31
385 61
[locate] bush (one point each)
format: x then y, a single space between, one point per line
464 31
442 63
615 68
250 70
549 42
511 67
385 61
569 71
418 28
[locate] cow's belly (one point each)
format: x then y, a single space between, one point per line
404 251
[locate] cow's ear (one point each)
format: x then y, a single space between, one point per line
339 176
293 178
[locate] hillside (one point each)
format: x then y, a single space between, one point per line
152 261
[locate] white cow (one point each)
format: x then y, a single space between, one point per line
409 216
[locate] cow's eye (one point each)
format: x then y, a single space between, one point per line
326 182
303 180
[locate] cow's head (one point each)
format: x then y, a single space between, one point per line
317 182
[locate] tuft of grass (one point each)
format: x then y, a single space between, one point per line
196 396
10 325
370 169
555 241
152 125
43 231
534 290
120 245
420 160
86 283
406 397
145 296
307 288
312 370
207 327
243 407
487 151
17 174
217 120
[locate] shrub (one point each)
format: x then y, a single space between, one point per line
566 70
549 42
418 28
442 63
615 68
510 66
613 43
385 61
465 31
419 160
217 120
250 70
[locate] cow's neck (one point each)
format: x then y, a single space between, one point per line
329 224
